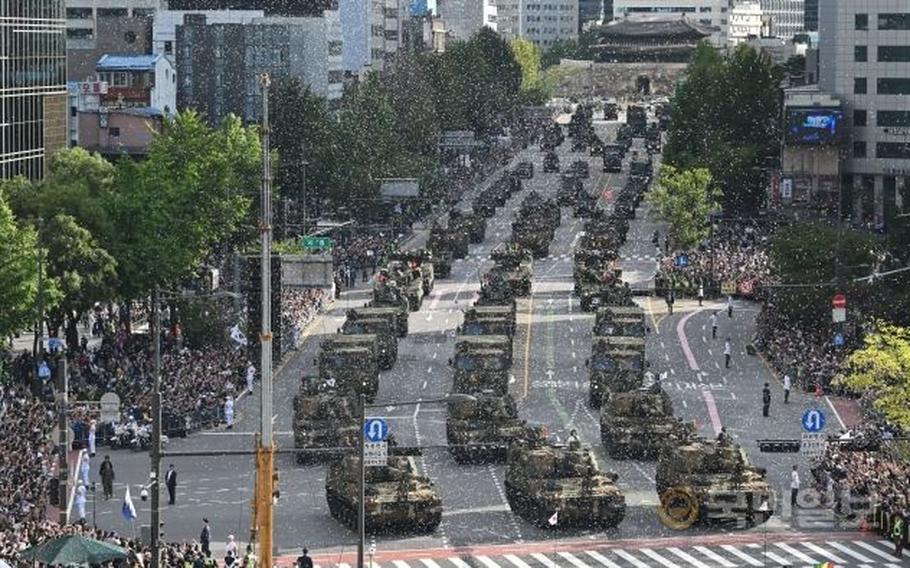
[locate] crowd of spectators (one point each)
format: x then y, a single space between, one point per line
298 308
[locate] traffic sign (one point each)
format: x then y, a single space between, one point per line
315 242
813 420
375 454
839 301
839 315
682 260
813 445
838 339
375 430
728 287
110 407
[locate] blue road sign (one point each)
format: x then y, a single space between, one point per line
838 339
375 429
682 260
813 420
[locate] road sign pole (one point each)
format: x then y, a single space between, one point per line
361 516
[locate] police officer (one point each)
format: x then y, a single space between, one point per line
897 534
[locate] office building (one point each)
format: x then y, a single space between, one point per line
387 20
810 15
86 18
786 16
745 22
463 18
32 85
164 29
864 61
713 13
540 21
590 11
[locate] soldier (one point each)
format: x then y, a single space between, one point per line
766 400
574 443
723 437
714 325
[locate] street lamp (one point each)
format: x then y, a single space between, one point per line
361 515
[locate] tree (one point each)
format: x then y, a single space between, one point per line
18 273
685 199
882 369
82 271
411 94
527 55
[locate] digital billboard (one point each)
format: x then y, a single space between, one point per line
814 126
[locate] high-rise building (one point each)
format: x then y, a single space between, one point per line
463 18
864 60
745 22
541 21
32 85
714 13
810 15
787 17
590 11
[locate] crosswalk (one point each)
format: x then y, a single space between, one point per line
774 553
474 258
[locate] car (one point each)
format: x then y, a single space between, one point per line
550 162
524 170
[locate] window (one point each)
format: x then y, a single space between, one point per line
114 131
894 53
144 12
894 86
894 21
74 111
335 48
79 13
899 118
336 76
80 33
861 22
859 118
859 86
861 53
859 149
111 12
893 150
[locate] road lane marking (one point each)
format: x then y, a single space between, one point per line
544 560
826 554
774 557
793 552
877 552
629 558
516 561
684 341
715 556
602 559
650 553
528 346
400 564
574 560
712 411
487 561
688 558
430 563
458 562
836 413
741 555
850 552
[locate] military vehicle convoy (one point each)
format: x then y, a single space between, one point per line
570 186
324 419
488 320
350 368
479 370
447 240
384 332
474 225
415 261
620 321
398 280
638 424
396 316
717 476
476 342
397 496
510 277
533 205
481 430
544 479
617 364
383 359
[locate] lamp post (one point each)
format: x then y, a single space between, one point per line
361 515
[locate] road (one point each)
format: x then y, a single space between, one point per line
549 381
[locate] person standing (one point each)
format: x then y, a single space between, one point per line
170 480
85 469
897 535
250 376
728 352
670 300
80 501
249 559
794 487
92 427
701 293
714 325
205 537
766 400
304 560
107 477
230 549
787 385
229 412
729 305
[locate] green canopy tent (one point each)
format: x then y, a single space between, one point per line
74 550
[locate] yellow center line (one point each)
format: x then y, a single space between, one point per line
654 321
527 356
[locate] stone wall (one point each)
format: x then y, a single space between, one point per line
588 78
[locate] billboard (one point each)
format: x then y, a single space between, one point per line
401 188
815 126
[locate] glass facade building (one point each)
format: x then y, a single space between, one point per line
32 85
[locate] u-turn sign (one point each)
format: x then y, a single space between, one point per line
375 429
813 420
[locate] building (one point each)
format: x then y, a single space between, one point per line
126 35
387 20
591 11
218 65
32 86
864 60
463 18
665 40
489 14
164 29
85 17
540 21
138 81
745 22
810 15
295 8
787 17
713 13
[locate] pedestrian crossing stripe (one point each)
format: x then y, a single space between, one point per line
558 257
828 554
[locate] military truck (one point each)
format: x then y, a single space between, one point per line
395 316
611 109
384 359
637 119
552 137
397 496
641 166
448 239
325 419
479 313
612 161
617 364
544 480
525 170
418 260
384 332
620 321
581 169
511 276
481 430
532 234
534 206
652 138
470 343
479 370
407 279
585 205
350 369
487 325
637 424
717 476
624 135
570 186
550 162
474 225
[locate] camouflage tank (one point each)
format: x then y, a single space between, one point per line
383 358
533 205
470 343
481 430
620 321
514 265
711 481
397 497
350 368
471 223
420 260
617 364
532 234
479 313
388 343
638 424
388 294
447 239
408 279
324 419
612 292
396 317
585 206
543 480
480 370
594 267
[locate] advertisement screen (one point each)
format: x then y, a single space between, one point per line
813 126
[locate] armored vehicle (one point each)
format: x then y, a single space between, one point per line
525 170
641 166
552 137
532 234
637 119
480 431
325 419
570 186
550 162
472 224
596 147
717 476
611 109
397 497
384 360
652 138
585 205
487 326
511 276
479 313
637 424
480 370
544 481
396 317
612 161
617 364
396 280
533 205
581 169
594 295
350 369
387 293
484 206
385 334
624 136
620 321
443 239
471 343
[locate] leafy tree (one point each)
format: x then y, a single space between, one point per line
527 54
83 272
18 273
685 199
882 369
411 93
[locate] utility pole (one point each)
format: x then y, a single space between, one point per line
38 344
361 499
265 455
303 165
62 386
155 517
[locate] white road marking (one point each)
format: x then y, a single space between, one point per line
400 564
650 553
877 552
602 559
772 556
826 554
688 558
715 556
430 563
629 558
574 560
458 562
424 385
850 552
793 552
518 562
741 555
544 560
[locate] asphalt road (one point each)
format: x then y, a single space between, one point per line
549 381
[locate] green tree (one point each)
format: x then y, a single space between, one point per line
881 369
82 272
527 54
18 273
411 94
685 199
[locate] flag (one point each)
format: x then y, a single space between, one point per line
128 510
554 519
238 335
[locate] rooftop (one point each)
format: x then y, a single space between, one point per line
143 62
659 27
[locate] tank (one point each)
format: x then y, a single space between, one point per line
616 365
543 480
638 424
488 326
388 294
532 234
421 260
471 343
620 321
479 313
383 358
395 316
447 239
350 368
717 478
481 430
324 419
398 498
407 279
388 342
550 162
474 225
479 370
534 206
513 269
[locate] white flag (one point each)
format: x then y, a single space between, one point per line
128 510
238 335
554 519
